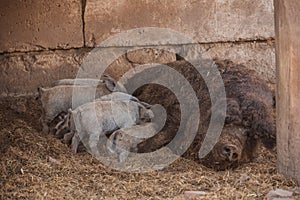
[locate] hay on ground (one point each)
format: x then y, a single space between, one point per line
36 166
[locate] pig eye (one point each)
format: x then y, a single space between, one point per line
115 138
226 151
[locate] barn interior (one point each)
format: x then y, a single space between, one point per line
45 41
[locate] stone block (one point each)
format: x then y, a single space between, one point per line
22 74
119 67
257 56
203 20
150 55
40 24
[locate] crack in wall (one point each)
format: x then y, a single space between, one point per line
85 48
83 7
15 53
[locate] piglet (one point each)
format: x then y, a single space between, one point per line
125 140
92 121
60 98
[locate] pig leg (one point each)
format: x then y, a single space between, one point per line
68 138
75 142
123 156
45 127
62 127
93 143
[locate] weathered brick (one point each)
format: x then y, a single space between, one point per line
119 67
203 20
40 24
22 74
257 56
150 55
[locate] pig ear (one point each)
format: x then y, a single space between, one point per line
146 105
109 82
69 111
41 90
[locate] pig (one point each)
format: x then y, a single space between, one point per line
61 128
59 98
61 123
235 146
110 83
58 123
125 140
249 118
92 121
119 96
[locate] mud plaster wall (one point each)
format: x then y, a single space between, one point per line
42 41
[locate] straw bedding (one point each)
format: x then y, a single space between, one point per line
37 166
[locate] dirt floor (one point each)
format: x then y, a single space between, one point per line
36 166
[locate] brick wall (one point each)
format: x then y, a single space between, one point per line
42 41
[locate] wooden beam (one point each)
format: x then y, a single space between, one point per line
287 18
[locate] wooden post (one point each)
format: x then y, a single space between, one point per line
287 17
